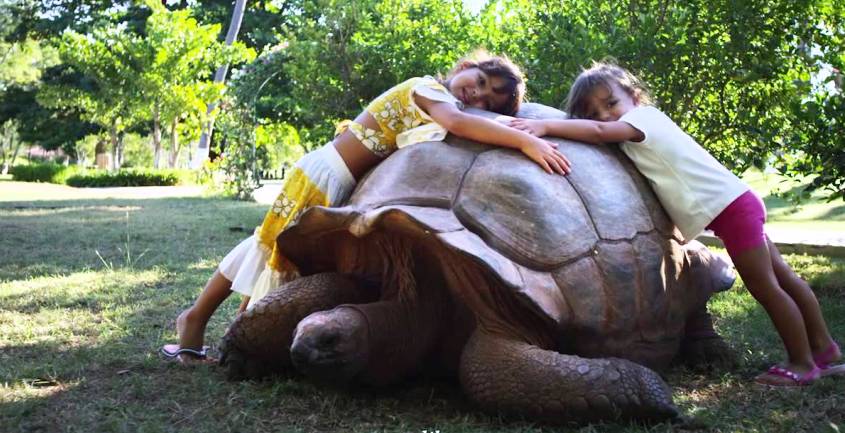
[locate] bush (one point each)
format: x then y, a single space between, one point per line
43 172
132 177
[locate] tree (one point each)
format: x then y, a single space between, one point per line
37 124
174 60
21 67
46 19
341 55
107 95
201 154
160 75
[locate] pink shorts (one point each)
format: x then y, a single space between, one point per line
740 225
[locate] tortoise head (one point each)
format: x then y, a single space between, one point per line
709 268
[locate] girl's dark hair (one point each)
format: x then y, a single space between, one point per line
603 74
497 66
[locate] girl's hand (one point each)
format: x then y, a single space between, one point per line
546 155
534 127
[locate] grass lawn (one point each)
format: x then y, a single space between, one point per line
90 287
812 214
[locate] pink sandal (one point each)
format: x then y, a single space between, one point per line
799 379
825 361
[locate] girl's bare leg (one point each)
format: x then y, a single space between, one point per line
244 303
755 268
800 292
190 325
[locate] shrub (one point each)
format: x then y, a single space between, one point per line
132 177
43 172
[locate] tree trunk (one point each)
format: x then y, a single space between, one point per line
174 142
11 144
219 77
3 152
120 146
11 163
156 137
113 141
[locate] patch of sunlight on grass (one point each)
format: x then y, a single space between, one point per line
733 303
31 211
71 328
79 283
33 388
71 310
784 212
205 264
826 275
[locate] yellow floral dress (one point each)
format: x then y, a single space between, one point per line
321 178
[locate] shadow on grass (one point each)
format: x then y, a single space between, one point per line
57 237
782 199
838 211
120 383
787 203
91 360
105 374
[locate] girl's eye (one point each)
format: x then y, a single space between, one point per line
481 81
612 102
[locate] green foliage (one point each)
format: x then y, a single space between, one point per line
138 152
105 95
749 80
48 19
341 55
162 75
278 145
47 172
238 154
174 62
261 22
50 128
75 176
131 177
21 63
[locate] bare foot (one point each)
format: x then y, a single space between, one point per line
191 331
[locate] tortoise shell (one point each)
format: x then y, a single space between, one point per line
592 253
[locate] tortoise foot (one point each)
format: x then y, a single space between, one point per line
710 353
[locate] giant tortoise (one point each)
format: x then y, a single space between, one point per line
550 297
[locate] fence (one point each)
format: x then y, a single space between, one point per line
277 174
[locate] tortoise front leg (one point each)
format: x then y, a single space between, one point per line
702 348
258 342
502 374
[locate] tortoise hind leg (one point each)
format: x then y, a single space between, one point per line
502 374
257 342
702 348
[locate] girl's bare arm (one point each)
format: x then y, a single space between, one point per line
491 132
588 131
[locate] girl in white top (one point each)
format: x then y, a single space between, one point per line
609 105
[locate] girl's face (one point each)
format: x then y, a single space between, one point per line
475 88
609 103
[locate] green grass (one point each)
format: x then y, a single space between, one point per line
89 289
813 213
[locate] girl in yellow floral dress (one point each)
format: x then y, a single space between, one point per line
419 109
